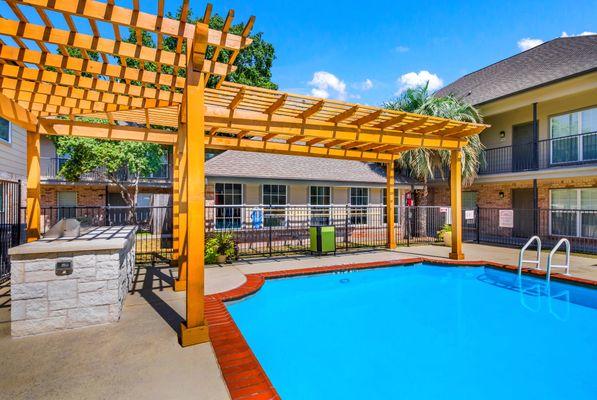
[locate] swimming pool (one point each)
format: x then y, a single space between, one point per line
423 332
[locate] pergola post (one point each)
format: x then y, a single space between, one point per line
194 329
33 186
390 205
179 209
456 203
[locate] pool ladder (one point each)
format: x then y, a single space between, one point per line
521 259
566 266
537 261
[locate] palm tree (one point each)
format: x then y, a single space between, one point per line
424 163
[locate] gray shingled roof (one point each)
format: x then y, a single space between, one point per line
240 164
551 61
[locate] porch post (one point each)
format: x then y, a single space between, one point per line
33 186
456 203
179 207
194 330
390 205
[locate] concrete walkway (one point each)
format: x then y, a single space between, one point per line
139 357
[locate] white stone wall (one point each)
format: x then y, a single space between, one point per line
94 293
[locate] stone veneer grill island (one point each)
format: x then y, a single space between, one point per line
44 301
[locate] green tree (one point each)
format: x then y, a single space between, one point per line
110 159
253 63
423 163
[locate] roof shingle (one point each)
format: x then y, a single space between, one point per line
551 61
240 164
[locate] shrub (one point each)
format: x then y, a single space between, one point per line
220 243
446 228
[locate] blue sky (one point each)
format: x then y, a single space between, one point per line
367 51
383 40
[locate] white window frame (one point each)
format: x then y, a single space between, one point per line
9 140
398 205
241 206
366 207
329 206
577 210
266 205
579 136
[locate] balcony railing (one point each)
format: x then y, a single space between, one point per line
50 168
543 154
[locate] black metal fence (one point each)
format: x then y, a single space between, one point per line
514 227
270 230
543 154
10 223
154 235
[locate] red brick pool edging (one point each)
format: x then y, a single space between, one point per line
242 372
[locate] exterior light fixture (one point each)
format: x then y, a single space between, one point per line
501 195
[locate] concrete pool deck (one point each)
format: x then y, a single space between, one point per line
139 356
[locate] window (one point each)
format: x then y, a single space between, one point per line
274 196
358 197
574 136
574 212
67 204
320 200
144 200
229 201
396 203
5 128
469 200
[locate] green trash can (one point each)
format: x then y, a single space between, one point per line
323 239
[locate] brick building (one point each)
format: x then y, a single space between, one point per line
541 149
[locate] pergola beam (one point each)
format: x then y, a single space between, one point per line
15 113
94 10
226 143
273 124
105 131
15 76
82 41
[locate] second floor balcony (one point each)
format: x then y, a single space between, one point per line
566 151
50 168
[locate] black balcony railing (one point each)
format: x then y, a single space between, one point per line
543 154
50 168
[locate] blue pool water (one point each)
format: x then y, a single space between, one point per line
423 332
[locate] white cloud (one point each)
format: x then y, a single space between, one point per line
415 79
528 43
366 84
401 49
327 85
585 33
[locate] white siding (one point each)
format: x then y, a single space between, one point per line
13 155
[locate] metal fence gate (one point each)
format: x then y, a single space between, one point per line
10 223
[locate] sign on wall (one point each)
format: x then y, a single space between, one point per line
506 219
469 214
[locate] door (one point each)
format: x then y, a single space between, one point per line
524 213
523 149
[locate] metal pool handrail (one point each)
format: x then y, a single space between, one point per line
552 252
521 259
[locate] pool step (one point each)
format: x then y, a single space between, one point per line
537 261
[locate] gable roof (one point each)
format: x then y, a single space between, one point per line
549 62
263 166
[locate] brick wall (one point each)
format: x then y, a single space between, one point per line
488 195
90 196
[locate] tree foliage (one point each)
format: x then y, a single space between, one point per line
110 159
253 63
423 163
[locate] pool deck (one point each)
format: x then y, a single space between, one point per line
139 357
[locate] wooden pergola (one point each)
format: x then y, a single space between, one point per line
162 97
